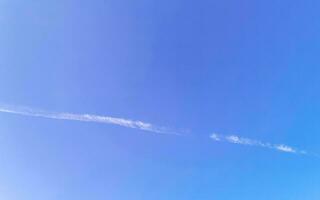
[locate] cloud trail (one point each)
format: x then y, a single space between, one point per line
87 118
134 124
234 139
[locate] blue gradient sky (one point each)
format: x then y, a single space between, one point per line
236 67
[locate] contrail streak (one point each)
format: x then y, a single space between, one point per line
134 124
87 118
234 139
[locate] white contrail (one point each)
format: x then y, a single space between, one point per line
87 118
234 139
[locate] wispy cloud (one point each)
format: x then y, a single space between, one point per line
134 124
234 139
87 118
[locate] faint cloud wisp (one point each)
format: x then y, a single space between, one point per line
87 118
234 139
134 124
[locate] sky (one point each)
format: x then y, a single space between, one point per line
231 78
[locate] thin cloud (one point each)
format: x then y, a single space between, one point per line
285 148
87 118
234 139
134 124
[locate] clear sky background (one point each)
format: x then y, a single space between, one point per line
249 68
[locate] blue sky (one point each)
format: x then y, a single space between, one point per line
248 68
